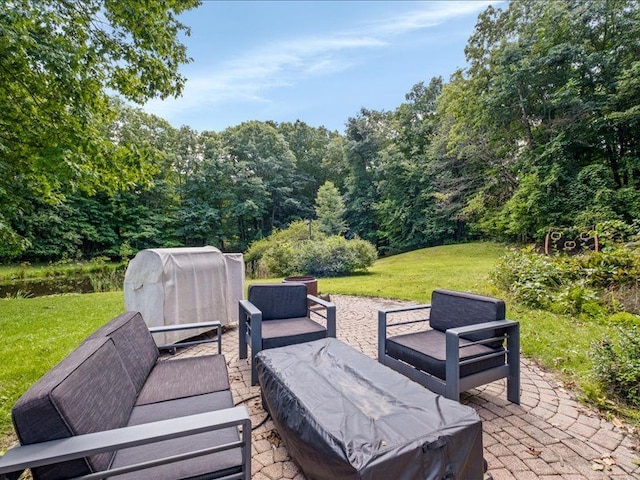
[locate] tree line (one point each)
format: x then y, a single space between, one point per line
540 130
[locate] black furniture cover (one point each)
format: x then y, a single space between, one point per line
344 416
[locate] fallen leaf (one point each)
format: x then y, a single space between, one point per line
274 438
608 460
534 452
598 467
617 423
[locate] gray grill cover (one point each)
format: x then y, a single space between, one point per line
343 415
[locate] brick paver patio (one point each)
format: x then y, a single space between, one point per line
548 436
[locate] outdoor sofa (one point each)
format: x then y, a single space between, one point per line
114 406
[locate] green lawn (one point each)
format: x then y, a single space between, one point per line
38 332
413 275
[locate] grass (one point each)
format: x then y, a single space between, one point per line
38 332
413 275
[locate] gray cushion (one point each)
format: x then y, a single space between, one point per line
209 466
427 351
451 309
184 377
215 465
279 300
278 333
186 406
134 343
88 391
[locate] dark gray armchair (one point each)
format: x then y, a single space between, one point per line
280 314
470 343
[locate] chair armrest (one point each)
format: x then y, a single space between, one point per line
46 453
383 314
331 313
453 363
320 301
382 325
189 326
253 328
482 327
249 308
405 309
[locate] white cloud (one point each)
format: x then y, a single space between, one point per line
283 64
434 14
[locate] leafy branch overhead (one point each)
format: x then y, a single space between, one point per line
58 62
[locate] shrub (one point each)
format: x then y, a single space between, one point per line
587 283
260 261
335 256
279 259
617 364
530 277
291 252
577 299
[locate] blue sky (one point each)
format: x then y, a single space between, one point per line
319 62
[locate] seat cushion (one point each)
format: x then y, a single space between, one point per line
209 466
185 377
88 391
278 333
427 352
133 342
451 309
279 300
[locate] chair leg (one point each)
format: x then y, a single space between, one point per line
255 349
242 335
452 367
513 358
254 374
513 390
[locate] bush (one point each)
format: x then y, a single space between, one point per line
617 364
530 277
291 252
587 283
261 262
577 299
279 259
335 256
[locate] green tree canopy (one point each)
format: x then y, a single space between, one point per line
330 210
58 61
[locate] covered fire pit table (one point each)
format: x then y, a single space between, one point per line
342 415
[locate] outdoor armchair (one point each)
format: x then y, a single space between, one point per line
470 343
280 314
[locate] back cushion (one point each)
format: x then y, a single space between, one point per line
279 300
88 391
134 343
450 309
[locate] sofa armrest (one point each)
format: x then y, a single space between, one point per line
190 326
46 453
330 316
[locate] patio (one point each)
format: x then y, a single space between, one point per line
549 435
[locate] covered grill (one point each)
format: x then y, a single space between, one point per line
171 286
